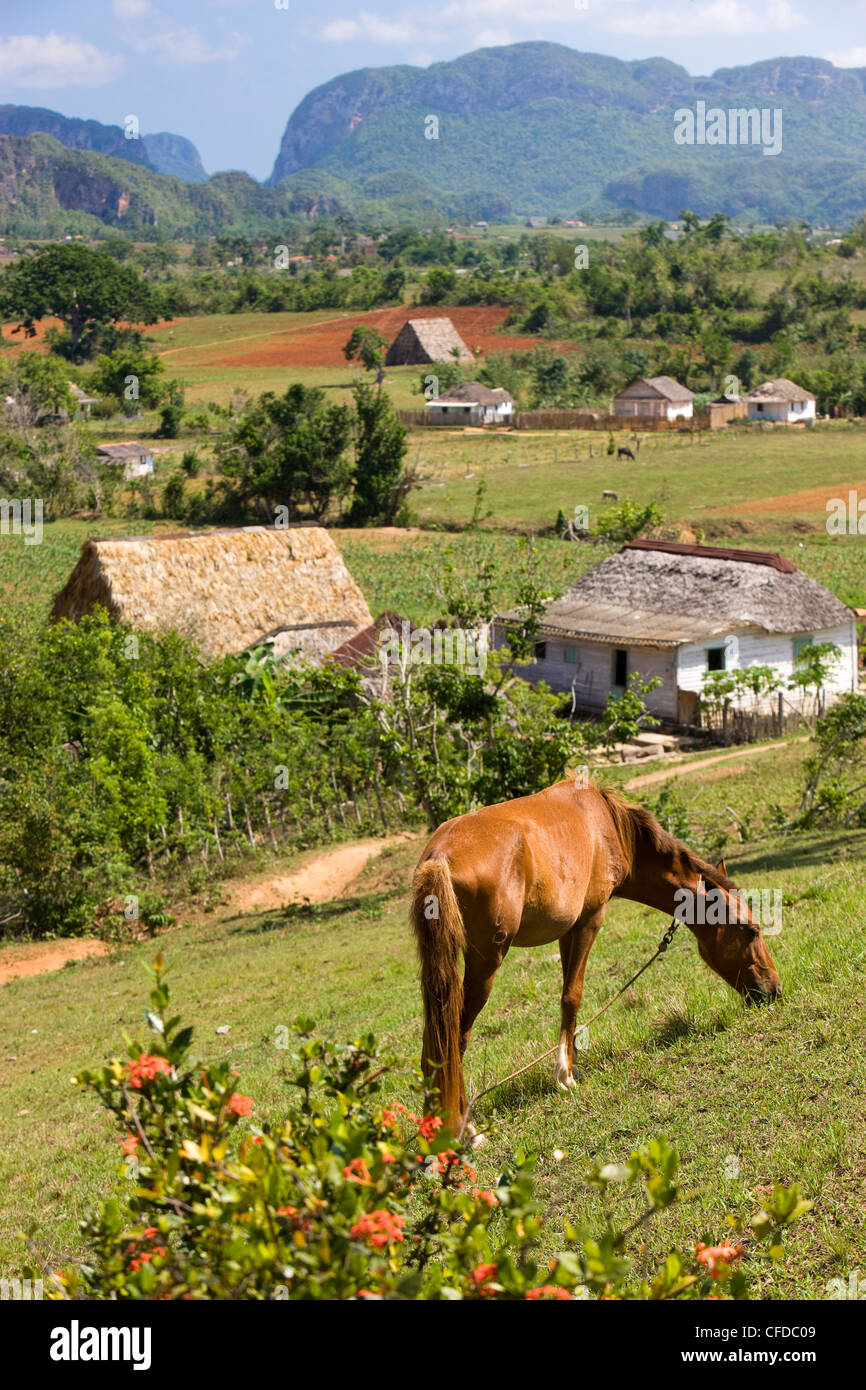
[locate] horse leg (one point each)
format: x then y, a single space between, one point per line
574 949
479 974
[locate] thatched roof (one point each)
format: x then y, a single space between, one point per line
81 396
653 387
664 594
779 391
426 340
227 590
472 393
119 453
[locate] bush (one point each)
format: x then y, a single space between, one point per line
350 1195
170 419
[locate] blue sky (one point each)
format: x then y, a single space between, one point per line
228 73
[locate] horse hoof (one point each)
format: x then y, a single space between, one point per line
565 1081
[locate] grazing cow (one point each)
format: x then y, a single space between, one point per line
625 453
609 496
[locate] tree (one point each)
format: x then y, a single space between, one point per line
130 375
36 383
380 447
288 449
79 286
367 346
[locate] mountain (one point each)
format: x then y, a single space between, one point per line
164 153
174 155
549 129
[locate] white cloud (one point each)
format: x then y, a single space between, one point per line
849 58
340 31
491 38
185 47
719 17
130 9
371 26
50 60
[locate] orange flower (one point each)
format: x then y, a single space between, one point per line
130 1145
240 1105
547 1291
357 1171
481 1277
428 1126
145 1068
481 1195
380 1228
716 1256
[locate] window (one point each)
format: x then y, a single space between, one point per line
716 659
760 405
540 653
800 644
620 669
571 656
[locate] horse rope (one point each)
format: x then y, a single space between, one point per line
659 951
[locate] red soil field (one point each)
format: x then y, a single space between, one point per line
321 344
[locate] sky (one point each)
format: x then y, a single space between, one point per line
228 73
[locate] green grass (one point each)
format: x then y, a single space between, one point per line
779 1089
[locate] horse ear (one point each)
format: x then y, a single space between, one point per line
723 867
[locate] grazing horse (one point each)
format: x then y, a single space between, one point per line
625 453
541 869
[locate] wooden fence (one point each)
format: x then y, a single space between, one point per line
565 420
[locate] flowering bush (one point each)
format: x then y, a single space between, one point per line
350 1195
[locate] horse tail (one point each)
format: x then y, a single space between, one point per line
440 934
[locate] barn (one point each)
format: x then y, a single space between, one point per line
427 340
654 398
677 611
225 590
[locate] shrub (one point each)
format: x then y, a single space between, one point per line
351 1195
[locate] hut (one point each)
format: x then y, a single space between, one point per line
655 398
470 403
134 459
226 590
782 401
427 340
82 400
677 611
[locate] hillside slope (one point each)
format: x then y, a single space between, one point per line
553 130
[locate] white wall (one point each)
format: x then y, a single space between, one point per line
760 648
593 671
683 410
788 412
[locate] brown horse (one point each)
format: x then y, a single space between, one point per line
541 869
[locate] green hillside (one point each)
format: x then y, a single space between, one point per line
552 130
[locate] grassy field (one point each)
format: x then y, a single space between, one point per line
779 1090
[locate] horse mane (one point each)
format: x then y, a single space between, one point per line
635 824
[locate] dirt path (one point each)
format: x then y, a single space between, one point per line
320 879
649 779
17 962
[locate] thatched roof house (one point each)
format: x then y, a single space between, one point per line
226 590
134 459
427 340
781 400
471 403
662 608
655 397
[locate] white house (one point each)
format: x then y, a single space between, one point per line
655 397
661 608
780 400
470 403
135 459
